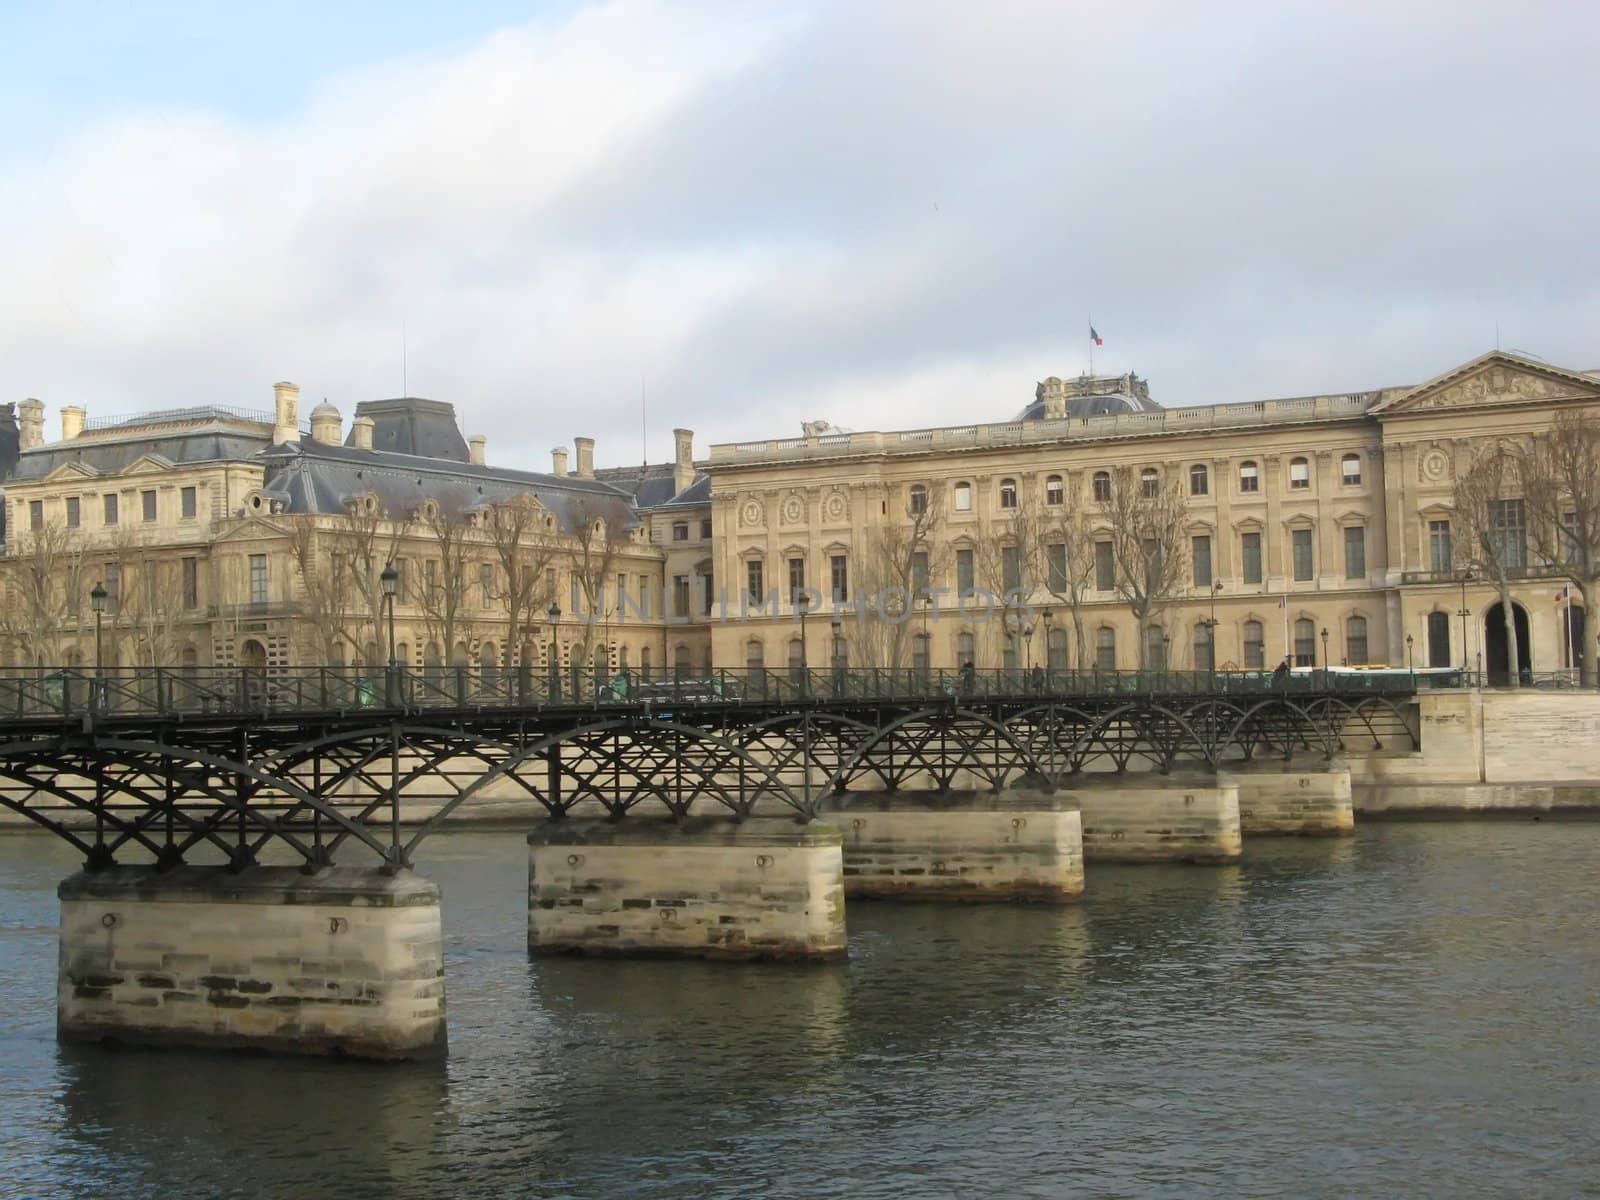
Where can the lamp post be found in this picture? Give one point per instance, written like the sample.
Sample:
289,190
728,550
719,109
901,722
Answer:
554,613
1467,577
835,653
1166,653
97,601
1324,653
1045,616
1211,635
1409,666
1027,647
803,603
389,577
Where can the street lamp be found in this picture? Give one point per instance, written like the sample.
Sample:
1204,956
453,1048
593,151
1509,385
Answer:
389,577
97,601
836,653
1467,577
1324,652
554,613
1027,647
1409,665
1166,652
1046,615
803,603
1211,634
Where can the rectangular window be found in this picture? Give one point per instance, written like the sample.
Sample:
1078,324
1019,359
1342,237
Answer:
753,581
147,505
680,595
1105,649
1569,537
1439,549
485,584
963,497
1200,552
110,500
1255,647
964,578
797,579
707,582
258,579
187,506
74,513
36,514
1250,564
1105,571
113,586
644,595
1010,568
919,573
680,531
191,583
1055,556
1300,541
1249,478
1355,552
839,568
1299,474
1509,533
705,529
430,576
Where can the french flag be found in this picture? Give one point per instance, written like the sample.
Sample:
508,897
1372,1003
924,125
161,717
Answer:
1095,337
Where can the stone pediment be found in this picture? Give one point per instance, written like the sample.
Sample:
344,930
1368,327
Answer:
251,529
148,464
1494,380
71,470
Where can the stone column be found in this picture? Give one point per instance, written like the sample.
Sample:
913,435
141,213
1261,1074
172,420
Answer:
1158,818
706,887
959,845
1306,797
346,961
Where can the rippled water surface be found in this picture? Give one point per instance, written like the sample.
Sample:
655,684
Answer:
1415,1011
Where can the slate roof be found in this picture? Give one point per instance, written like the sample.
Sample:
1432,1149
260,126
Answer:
8,441
312,477
412,425
651,486
209,442
1083,406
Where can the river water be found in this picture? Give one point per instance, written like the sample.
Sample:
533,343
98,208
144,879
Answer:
1414,1011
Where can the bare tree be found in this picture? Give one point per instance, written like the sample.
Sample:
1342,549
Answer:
1560,476
441,588
901,556
325,595
1147,515
524,551
1006,562
364,539
1487,541
44,590
1066,540
150,609
600,529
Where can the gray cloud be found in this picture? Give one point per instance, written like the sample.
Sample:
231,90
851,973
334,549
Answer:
882,214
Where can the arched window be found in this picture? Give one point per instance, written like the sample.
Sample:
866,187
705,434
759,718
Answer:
1355,641
919,499
189,657
1255,646
841,652
1199,481
1105,648
1149,482
680,659
966,650
963,497
1155,648
755,656
1299,474
1249,477
402,654
1350,469
622,658
1305,642
1102,485
1056,650
1008,493
1054,490
920,660
644,659
797,655
488,660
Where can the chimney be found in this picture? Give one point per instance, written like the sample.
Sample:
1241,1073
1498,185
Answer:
1054,394
585,449
477,442
326,425
558,461
286,413
30,424
71,422
682,460
361,433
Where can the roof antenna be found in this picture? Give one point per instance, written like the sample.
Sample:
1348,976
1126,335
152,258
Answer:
644,429
405,366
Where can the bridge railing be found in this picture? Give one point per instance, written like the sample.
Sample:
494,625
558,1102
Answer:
249,691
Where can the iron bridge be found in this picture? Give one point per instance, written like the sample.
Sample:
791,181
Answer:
219,764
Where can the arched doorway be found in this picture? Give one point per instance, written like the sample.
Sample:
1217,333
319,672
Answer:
1496,659
253,655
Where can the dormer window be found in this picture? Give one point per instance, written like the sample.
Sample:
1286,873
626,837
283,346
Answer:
1054,490
1249,477
1299,474
1008,493
1350,470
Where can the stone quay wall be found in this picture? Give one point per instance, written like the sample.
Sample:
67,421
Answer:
1300,797
1158,818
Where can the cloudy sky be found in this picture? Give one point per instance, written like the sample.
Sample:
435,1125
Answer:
882,214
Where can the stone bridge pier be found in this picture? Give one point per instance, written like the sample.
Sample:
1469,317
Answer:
346,961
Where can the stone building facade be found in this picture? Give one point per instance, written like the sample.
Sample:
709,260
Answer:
1319,529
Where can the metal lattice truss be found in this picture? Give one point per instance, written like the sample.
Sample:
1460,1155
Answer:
175,793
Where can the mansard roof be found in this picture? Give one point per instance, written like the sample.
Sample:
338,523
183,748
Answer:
310,477
651,486
213,440
412,425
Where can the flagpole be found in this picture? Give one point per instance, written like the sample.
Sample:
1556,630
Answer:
1572,650
1091,346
